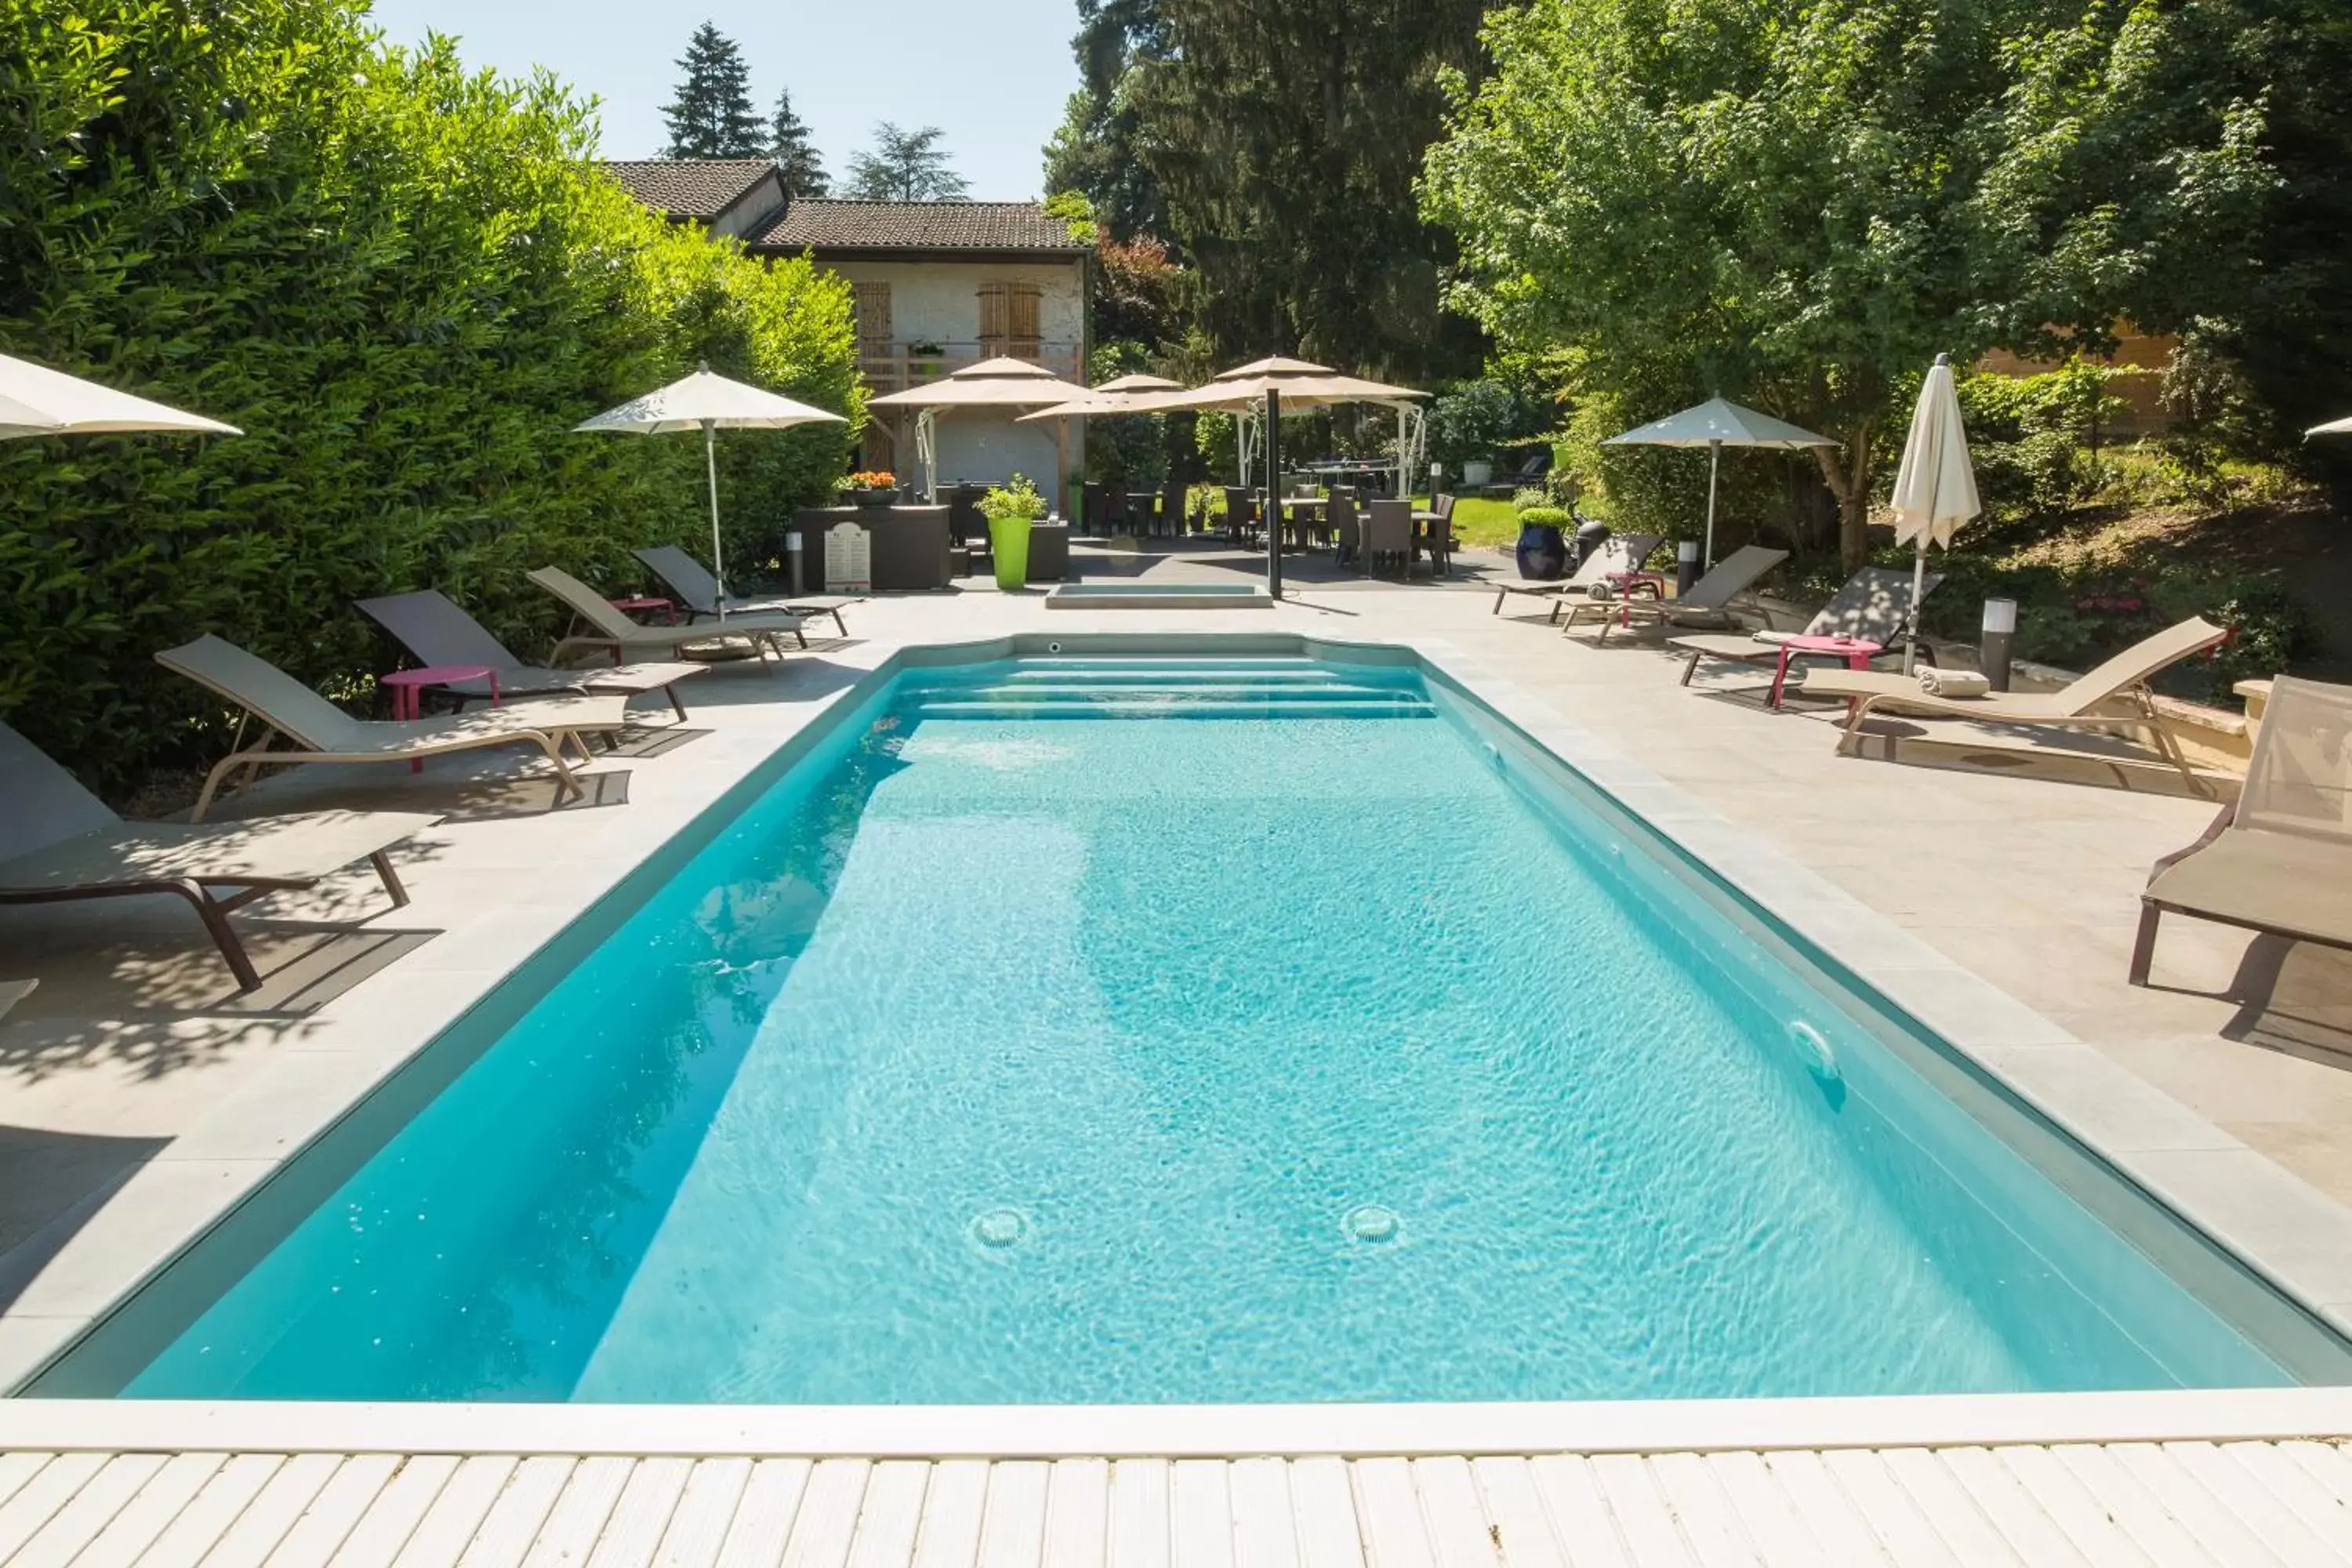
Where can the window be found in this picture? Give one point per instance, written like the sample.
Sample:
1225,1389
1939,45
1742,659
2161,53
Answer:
1008,315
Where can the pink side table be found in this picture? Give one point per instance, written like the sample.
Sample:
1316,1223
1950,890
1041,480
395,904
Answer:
649,604
1856,652
407,687
1625,582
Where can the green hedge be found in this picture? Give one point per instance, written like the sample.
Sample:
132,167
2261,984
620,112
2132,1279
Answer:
406,283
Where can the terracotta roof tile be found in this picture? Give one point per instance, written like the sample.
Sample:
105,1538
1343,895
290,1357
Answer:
825,224
689,187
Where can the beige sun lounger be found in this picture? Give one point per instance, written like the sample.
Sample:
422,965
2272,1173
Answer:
14,991
58,841
321,732
1708,603
2125,676
1874,605
610,631
1618,552
691,580
2280,860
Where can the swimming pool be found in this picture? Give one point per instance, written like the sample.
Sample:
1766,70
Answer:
1164,1030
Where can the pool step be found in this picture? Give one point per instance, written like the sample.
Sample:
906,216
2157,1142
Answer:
1392,707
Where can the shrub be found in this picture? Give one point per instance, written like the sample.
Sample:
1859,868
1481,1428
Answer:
1017,498
2027,438
1529,497
406,283
1479,417
1543,517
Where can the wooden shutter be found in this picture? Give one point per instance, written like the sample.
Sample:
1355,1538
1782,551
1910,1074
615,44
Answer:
1022,303
873,317
992,331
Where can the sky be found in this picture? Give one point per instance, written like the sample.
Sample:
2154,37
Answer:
994,74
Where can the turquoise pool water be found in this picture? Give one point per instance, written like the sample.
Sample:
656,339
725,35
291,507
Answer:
1151,1031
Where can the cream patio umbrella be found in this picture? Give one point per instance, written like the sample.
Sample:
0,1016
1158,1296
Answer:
1715,424
1003,384
711,404
1110,397
1276,383
38,401
2333,428
1935,487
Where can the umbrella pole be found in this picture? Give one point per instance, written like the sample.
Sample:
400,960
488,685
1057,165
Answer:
1272,493
1918,582
710,467
1713,463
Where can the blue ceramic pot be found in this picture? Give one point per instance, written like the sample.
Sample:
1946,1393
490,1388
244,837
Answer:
1543,553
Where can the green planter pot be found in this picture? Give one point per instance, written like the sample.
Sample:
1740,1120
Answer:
1008,539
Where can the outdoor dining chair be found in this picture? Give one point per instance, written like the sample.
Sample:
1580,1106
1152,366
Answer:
1388,534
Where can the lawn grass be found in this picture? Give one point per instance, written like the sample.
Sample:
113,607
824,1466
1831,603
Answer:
1484,523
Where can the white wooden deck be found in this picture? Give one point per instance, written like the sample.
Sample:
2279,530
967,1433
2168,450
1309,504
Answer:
2238,1503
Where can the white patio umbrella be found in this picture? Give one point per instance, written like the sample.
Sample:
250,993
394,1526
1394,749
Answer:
1935,487
1278,383
2333,428
711,404
1111,397
38,401
1715,424
1003,383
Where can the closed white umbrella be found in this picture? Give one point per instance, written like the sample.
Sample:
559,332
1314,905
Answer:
38,401
711,404
1715,424
2333,428
1935,487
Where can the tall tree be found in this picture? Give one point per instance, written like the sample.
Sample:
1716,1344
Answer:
711,116
795,154
1098,147
906,166
1283,143
1804,201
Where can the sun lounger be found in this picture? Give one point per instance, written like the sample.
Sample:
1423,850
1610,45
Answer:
613,633
14,991
2124,677
1619,553
1708,602
430,626
1874,605
698,590
58,841
318,731
2280,860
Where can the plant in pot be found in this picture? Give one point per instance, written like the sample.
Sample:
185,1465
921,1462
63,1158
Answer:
926,359
1010,509
876,487
1543,545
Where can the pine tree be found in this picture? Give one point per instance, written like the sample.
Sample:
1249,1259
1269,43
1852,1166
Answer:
711,117
795,155
906,166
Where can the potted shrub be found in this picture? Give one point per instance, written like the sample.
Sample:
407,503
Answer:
1543,547
1011,508
876,487
925,360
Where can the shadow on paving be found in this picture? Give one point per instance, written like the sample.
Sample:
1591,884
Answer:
50,1185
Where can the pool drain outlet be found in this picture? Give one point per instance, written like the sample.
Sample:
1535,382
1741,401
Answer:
1000,1227
1371,1223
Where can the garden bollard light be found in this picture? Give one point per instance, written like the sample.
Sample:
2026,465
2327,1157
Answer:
793,542
1685,566
2000,629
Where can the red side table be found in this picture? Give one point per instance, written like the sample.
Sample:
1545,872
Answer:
1856,652
407,687
650,605
1625,582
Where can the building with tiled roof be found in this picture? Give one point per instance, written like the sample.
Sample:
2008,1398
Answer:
827,226
939,286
